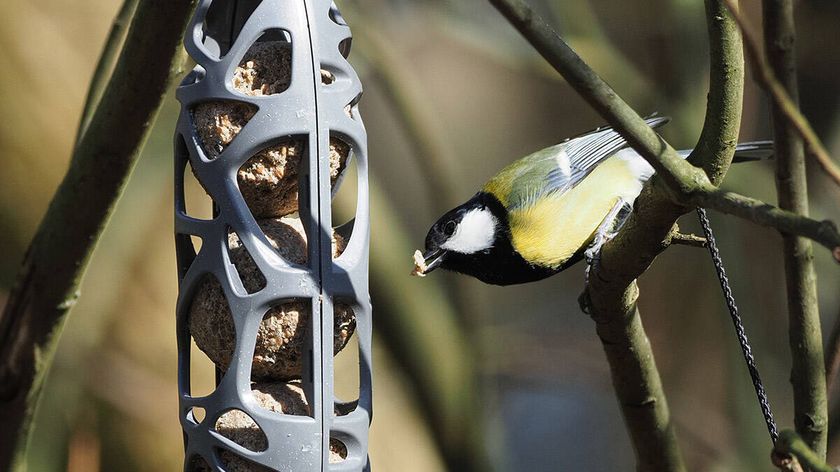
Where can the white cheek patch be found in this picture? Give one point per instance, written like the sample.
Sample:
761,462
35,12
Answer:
476,232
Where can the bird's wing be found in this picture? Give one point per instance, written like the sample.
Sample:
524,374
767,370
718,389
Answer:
558,169
585,152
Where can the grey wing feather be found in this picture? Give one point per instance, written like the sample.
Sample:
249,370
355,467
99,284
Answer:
745,152
585,152
754,151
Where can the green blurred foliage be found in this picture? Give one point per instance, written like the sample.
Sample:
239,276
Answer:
545,395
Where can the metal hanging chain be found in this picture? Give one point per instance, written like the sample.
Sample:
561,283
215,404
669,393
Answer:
763,402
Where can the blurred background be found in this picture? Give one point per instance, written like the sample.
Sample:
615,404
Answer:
465,374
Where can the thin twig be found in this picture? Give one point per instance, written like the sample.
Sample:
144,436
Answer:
47,284
808,368
688,239
788,108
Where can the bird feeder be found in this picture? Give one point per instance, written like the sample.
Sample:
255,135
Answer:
268,125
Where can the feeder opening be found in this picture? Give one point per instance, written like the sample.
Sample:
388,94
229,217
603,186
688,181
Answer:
338,451
218,123
240,428
197,414
250,275
202,372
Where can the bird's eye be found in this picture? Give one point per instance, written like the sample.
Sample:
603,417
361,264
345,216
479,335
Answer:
449,228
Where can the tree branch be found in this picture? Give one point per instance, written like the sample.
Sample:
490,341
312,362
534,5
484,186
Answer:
824,232
790,444
687,239
635,379
808,368
47,284
783,96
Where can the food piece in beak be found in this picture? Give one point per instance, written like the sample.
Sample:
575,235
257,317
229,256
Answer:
425,263
419,265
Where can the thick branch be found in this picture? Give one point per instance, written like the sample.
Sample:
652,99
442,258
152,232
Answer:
635,378
786,101
808,367
47,285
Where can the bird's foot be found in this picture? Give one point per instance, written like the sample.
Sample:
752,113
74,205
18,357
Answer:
592,254
605,233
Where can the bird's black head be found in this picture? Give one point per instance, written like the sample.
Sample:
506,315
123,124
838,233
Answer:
474,239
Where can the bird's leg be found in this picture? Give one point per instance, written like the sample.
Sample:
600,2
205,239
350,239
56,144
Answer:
606,231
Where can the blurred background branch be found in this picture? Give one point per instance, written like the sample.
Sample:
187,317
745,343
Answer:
422,331
433,325
47,284
397,83
807,373
106,63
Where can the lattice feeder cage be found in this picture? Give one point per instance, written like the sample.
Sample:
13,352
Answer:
269,126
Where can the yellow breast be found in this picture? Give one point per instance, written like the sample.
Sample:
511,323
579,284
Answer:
556,227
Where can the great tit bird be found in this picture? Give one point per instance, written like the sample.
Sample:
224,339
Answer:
546,211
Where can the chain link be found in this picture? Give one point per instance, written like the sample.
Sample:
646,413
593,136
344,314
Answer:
763,402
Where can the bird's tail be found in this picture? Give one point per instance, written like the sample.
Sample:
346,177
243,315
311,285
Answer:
747,152
754,151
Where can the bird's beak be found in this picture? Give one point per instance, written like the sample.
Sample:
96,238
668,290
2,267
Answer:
433,259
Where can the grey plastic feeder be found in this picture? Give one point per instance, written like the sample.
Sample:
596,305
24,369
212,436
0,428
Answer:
313,111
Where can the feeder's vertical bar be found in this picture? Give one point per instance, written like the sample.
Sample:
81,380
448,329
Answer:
321,255
345,278
321,252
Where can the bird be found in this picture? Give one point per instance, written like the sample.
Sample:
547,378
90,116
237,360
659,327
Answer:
548,210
